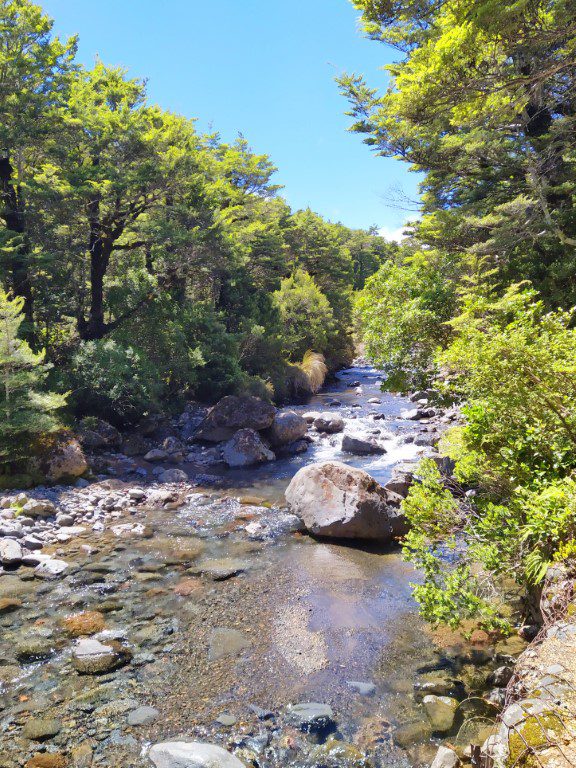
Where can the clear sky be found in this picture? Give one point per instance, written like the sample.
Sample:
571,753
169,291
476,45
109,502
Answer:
263,68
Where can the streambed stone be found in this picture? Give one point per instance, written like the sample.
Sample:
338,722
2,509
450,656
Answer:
10,552
91,657
245,449
311,717
143,716
226,642
441,711
195,754
39,728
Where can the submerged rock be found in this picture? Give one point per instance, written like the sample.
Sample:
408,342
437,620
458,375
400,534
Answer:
195,754
233,413
246,449
445,758
441,711
335,500
226,642
311,717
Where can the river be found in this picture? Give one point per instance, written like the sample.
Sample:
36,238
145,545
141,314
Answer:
232,617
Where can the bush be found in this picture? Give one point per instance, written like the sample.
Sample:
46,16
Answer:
402,313
190,349
512,364
114,382
306,316
25,411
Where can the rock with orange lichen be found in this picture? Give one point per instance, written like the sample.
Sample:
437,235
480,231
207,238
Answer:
83,624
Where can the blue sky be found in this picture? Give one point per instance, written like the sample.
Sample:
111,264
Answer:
264,68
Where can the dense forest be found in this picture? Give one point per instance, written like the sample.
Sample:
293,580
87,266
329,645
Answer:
143,263
479,302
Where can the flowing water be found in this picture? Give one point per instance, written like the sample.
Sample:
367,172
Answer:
231,612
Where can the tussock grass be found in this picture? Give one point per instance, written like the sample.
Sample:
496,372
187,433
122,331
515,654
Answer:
314,367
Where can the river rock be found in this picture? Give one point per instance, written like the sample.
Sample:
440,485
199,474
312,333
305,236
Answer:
287,427
335,500
91,657
10,552
97,433
445,758
329,424
38,508
173,476
364,689
233,413
62,459
156,454
400,483
50,568
441,711
499,678
143,716
39,728
194,754
311,416
246,449
311,717
359,447
226,642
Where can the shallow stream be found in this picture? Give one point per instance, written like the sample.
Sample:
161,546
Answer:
233,616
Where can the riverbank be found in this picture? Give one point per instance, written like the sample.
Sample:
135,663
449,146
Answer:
198,610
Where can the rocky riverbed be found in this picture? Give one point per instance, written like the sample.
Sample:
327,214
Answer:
144,607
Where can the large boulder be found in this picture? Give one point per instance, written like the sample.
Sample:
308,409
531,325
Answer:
246,449
194,754
60,457
335,500
286,428
233,413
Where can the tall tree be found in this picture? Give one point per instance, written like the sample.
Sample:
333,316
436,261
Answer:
33,77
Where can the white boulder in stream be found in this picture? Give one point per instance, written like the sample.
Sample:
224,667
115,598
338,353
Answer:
195,754
337,501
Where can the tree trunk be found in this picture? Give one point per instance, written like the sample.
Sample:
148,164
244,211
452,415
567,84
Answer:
100,250
13,214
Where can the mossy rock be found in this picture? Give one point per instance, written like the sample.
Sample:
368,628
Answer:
532,735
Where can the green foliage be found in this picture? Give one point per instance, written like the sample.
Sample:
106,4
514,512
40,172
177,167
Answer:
25,412
149,256
116,382
512,364
402,313
306,316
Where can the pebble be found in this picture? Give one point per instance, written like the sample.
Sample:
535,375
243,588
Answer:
143,716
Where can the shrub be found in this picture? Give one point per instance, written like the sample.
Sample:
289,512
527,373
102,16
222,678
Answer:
114,382
25,412
306,316
402,312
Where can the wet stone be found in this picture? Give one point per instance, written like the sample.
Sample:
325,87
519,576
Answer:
91,657
38,729
312,717
226,642
143,716
364,689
